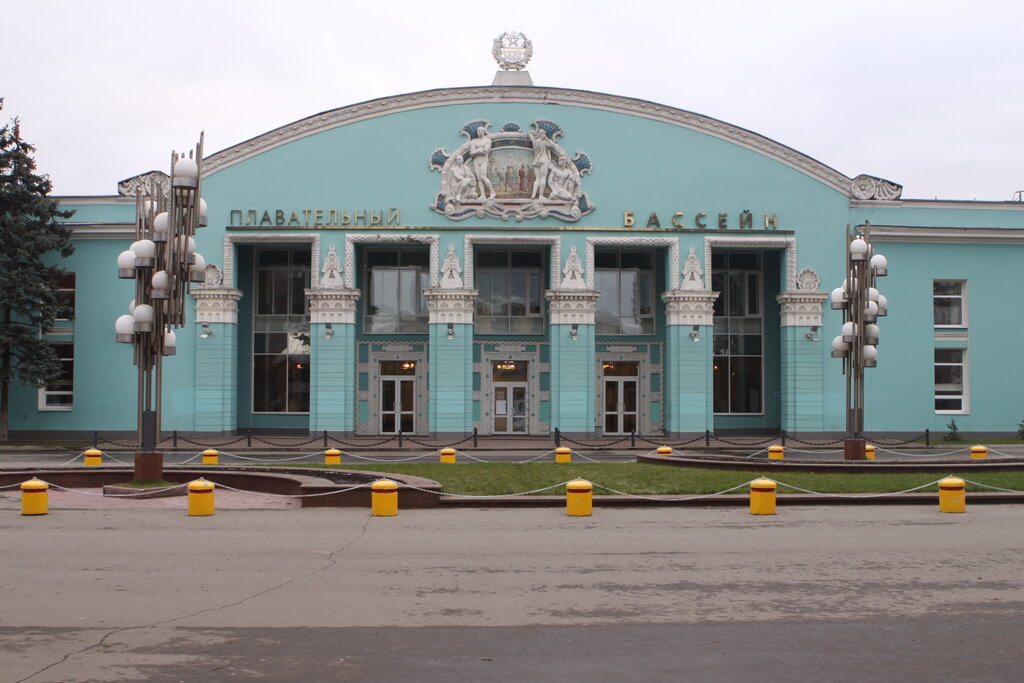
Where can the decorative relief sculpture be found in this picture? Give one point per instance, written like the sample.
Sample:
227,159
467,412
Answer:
870,187
511,174
512,50
692,273
331,277
808,280
152,184
573,272
451,272
212,277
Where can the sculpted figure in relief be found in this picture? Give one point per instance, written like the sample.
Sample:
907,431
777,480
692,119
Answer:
564,180
330,277
541,162
479,153
460,179
692,273
451,271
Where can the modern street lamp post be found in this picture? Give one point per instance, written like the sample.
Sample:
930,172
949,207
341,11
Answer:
163,262
857,345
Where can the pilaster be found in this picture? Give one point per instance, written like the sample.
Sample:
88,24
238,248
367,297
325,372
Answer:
571,331
450,409
689,371
332,391
216,367
802,360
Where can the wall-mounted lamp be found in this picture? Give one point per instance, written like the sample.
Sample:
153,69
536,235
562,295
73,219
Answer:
451,330
813,334
207,332
695,333
329,331
574,332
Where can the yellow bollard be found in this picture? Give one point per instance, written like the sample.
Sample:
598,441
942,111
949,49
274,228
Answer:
332,456
579,498
952,497
776,452
35,497
384,498
664,450
979,452
93,457
210,456
448,456
563,454
869,452
762,496
200,498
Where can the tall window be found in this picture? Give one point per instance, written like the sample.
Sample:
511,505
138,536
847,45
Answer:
395,280
281,331
59,394
626,282
948,303
950,394
66,295
739,333
511,284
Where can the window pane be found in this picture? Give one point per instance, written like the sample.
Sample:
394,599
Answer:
948,311
492,259
949,404
949,355
948,287
606,259
745,385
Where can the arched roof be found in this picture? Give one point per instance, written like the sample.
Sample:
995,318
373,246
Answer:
528,94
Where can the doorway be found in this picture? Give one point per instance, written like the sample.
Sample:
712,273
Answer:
397,397
621,396
510,407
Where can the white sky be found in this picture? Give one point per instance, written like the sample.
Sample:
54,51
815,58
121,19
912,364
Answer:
926,94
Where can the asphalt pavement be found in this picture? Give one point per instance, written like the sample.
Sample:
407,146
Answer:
830,594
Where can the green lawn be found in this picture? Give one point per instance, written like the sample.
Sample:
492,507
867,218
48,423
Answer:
646,479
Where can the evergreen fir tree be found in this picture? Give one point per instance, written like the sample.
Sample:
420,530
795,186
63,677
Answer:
29,301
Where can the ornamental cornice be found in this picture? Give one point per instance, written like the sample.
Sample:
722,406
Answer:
216,304
572,307
332,305
533,95
451,305
689,308
801,308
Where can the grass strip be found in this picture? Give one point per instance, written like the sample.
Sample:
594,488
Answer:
498,478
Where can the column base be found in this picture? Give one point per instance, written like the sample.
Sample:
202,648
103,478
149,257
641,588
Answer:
853,449
149,466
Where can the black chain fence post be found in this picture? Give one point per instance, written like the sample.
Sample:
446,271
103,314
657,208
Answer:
325,438
248,438
558,438
174,439
95,438
399,438
475,436
632,439
782,436
928,437
707,438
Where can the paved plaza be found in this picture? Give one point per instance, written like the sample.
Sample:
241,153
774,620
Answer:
820,593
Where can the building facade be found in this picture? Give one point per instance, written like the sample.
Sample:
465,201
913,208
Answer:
517,259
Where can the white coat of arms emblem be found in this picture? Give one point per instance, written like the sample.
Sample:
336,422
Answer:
511,174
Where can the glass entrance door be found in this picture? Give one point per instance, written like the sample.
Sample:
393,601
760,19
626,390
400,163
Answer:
510,409
398,397
621,398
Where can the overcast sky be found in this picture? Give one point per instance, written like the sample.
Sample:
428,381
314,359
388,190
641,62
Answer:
926,94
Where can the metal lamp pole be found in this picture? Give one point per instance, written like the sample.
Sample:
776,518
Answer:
862,305
163,262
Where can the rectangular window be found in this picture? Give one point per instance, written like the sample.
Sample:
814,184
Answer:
626,282
66,296
511,284
949,301
281,331
395,280
59,394
950,385
738,344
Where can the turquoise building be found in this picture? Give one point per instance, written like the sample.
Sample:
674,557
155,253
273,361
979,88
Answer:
518,259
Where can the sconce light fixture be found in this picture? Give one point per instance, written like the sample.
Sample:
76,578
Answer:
574,332
329,331
207,332
695,333
813,334
451,330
